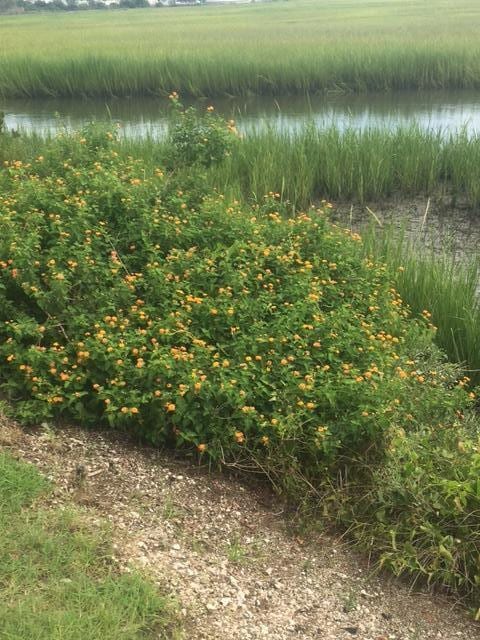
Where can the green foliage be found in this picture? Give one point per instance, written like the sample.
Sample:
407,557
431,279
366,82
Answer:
418,511
231,331
58,580
194,322
201,140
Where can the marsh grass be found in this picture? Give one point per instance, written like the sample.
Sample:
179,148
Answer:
273,48
445,284
370,165
308,164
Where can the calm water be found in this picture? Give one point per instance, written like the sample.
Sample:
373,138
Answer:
443,111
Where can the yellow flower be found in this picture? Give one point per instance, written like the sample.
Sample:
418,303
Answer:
239,437
170,407
201,448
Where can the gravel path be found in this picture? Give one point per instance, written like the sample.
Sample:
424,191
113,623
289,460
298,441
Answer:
225,551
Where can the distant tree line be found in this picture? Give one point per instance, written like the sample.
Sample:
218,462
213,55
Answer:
22,6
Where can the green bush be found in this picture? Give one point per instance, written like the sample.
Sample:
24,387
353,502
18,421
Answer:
419,510
203,140
233,331
195,323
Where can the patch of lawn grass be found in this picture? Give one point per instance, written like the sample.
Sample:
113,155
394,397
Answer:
57,576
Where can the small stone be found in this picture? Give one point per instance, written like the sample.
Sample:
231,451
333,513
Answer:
351,630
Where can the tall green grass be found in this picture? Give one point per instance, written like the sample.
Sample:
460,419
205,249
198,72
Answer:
362,166
445,284
281,47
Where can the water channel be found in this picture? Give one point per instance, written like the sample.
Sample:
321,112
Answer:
139,117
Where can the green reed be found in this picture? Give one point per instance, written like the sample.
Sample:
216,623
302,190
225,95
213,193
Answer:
273,48
352,165
445,284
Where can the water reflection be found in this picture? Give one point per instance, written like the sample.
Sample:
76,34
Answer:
139,117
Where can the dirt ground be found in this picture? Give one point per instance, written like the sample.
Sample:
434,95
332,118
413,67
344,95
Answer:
225,549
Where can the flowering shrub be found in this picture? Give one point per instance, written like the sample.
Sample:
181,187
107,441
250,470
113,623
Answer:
206,326
198,139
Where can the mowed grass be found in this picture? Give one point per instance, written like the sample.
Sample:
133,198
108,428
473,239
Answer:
280,47
57,578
